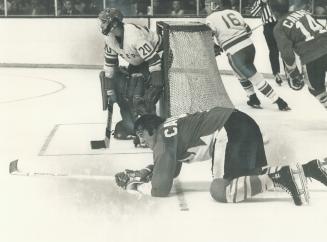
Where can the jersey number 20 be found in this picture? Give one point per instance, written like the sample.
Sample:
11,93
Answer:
145,49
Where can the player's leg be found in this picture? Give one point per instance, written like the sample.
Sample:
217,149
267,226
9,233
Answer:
244,158
146,87
244,152
242,63
290,179
244,81
316,73
273,51
125,128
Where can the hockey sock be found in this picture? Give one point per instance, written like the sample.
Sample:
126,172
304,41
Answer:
247,86
240,189
264,87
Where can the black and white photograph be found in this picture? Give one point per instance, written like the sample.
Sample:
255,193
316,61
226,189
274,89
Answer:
163,120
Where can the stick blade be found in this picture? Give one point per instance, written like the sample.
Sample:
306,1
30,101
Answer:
98,144
13,166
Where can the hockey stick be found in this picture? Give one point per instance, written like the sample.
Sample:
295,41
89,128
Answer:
13,170
103,144
256,27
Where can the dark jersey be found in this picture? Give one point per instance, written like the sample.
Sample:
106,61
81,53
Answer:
301,33
181,139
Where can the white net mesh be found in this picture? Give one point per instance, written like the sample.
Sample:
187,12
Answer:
194,81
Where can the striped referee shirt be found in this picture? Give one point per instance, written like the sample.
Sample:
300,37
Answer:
264,9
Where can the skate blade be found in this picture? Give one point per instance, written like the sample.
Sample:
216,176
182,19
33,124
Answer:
255,106
301,182
285,109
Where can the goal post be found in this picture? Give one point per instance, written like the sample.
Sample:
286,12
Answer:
191,78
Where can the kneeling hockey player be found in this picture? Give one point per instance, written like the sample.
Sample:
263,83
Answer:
233,36
139,91
192,137
299,32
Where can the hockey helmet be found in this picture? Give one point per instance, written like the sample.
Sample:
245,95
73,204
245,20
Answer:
216,5
108,18
211,5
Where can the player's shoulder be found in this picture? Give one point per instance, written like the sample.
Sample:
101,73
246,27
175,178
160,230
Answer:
135,32
136,29
170,127
213,15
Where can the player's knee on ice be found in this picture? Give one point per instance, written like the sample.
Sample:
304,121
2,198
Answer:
218,189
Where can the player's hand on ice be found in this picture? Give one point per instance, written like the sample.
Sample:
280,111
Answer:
295,80
130,179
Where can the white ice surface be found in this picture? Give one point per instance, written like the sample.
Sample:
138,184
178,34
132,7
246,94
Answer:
48,117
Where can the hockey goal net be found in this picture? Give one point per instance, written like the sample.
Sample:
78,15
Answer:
191,77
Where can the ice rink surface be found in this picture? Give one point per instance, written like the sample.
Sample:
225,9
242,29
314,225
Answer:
48,117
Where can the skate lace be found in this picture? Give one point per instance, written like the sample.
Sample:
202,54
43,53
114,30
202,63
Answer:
277,184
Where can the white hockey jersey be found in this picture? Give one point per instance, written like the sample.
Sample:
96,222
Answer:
230,30
139,45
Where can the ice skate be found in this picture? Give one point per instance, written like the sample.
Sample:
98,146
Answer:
282,105
292,180
254,101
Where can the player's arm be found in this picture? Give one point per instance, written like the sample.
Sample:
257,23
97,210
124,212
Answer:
161,173
150,55
107,76
164,168
110,61
216,47
256,7
285,47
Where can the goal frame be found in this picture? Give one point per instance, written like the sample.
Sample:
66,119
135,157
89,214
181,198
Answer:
163,28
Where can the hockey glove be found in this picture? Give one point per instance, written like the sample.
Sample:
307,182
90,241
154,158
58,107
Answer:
112,98
129,179
139,105
217,49
295,80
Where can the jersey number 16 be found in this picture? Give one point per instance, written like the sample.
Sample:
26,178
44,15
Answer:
231,20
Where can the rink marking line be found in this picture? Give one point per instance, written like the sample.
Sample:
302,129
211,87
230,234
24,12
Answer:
62,87
181,196
88,154
54,130
48,140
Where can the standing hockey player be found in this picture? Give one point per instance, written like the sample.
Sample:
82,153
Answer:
299,32
141,48
233,35
173,143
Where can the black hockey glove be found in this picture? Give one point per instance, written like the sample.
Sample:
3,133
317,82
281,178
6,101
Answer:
152,95
295,79
153,91
129,179
217,49
139,105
